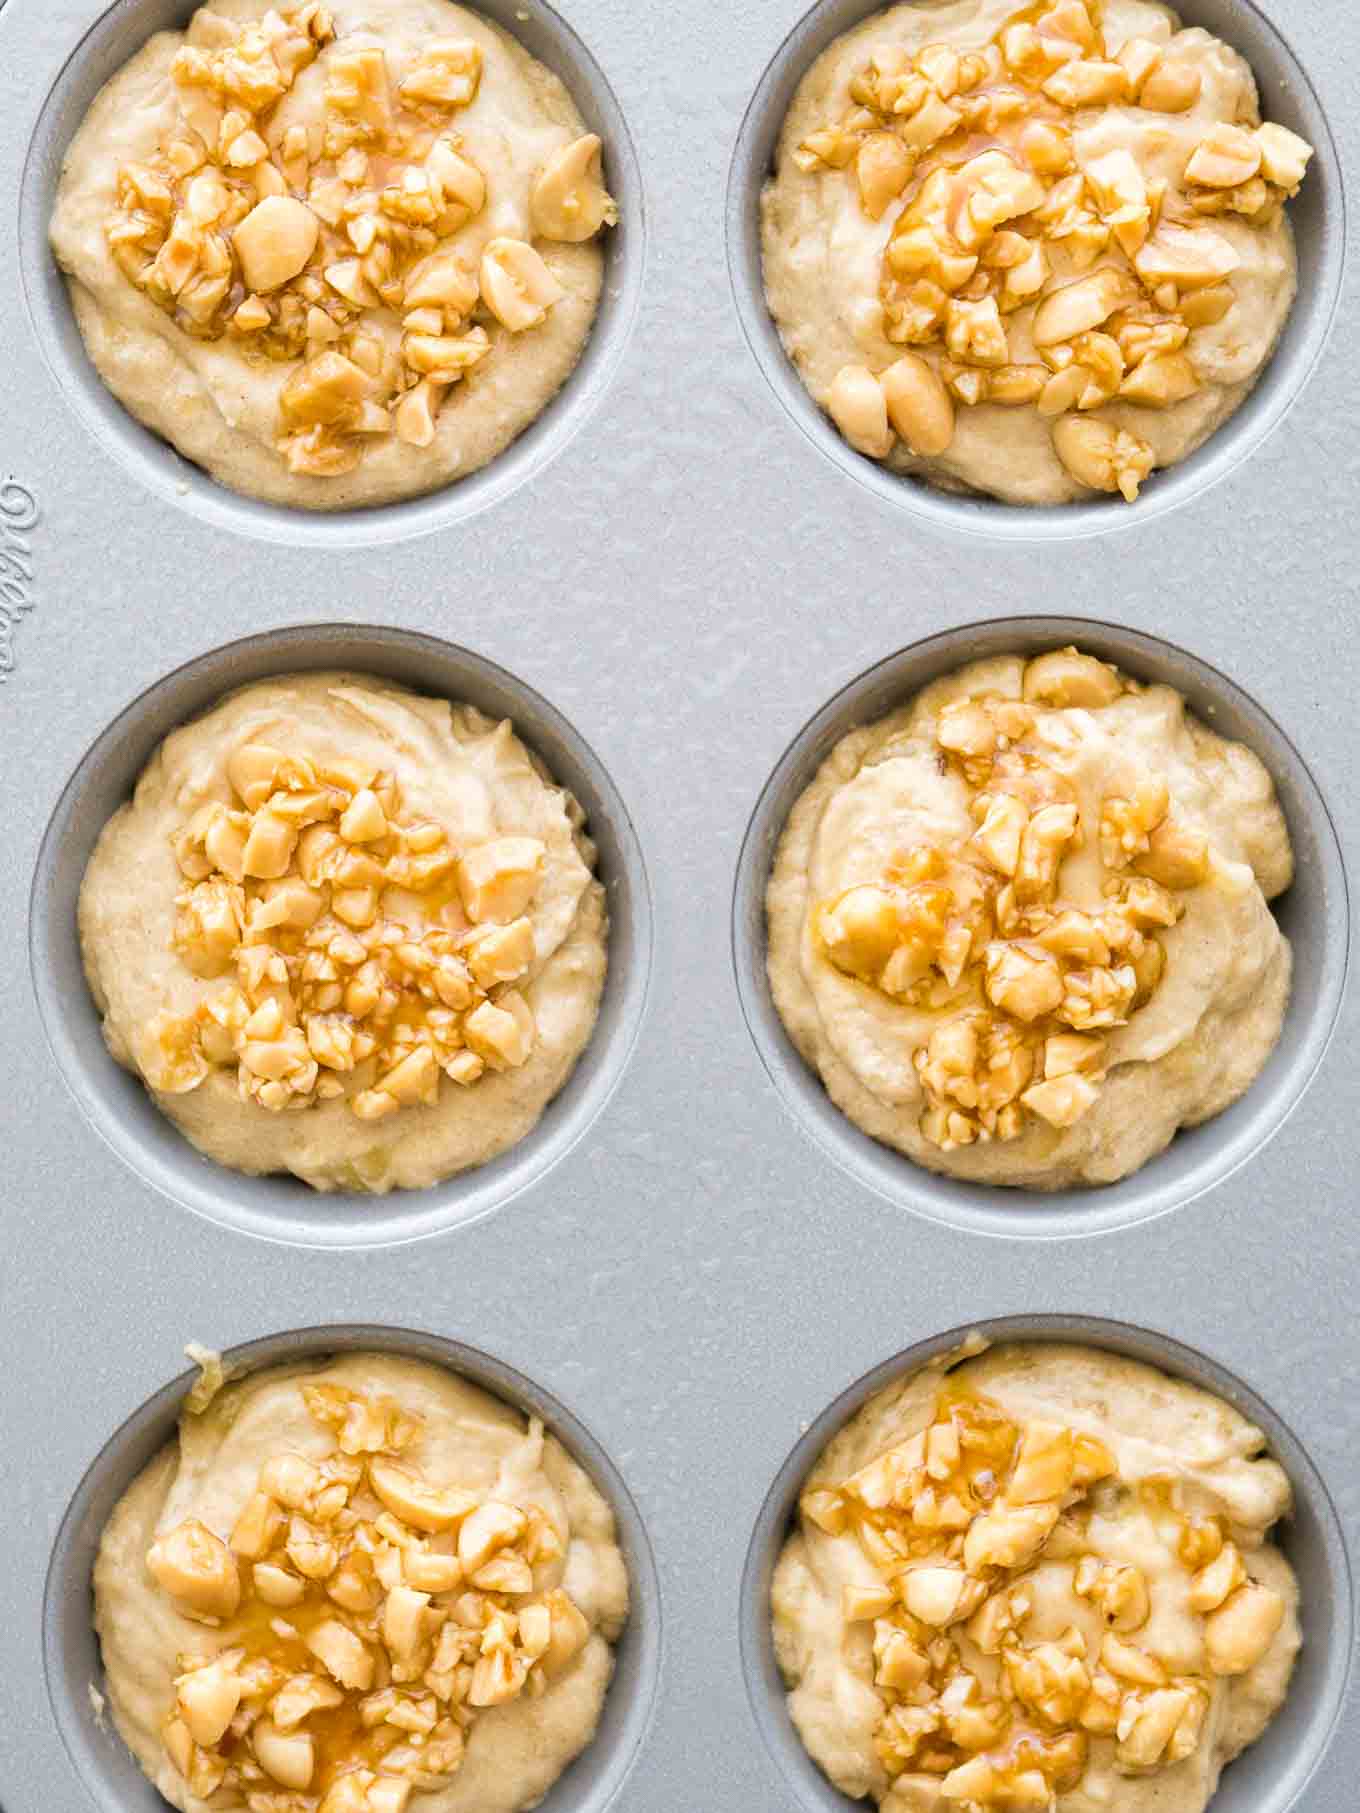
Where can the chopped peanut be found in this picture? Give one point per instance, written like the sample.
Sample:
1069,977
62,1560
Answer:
1239,1633
499,879
1067,678
1025,984
918,405
569,200
859,408
1171,88
1081,306
1224,157
1176,856
1101,456
207,1699
275,241
1284,156
517,285
446,74
197,1570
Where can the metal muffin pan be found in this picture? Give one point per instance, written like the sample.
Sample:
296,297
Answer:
693,1267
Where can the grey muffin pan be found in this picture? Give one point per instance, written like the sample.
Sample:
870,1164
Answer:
683,587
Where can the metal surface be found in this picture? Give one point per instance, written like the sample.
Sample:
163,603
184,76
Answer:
670,578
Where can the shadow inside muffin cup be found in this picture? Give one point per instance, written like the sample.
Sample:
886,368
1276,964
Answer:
117,1103
1318,213
115,37
1314,915
1271,1775
71,1650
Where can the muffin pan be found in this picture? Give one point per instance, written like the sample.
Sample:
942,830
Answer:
694,1268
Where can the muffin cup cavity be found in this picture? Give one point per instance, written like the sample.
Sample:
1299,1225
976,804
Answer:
1314,915
117,1103
110,1773
1271,1775
105,48
1318,214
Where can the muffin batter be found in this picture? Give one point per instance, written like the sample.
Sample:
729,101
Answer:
1030,252
1020,927
348,932
359,1587
336,254
1041,1581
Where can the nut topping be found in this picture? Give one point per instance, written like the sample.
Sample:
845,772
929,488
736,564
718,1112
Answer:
433,1603
274,241
1000,225
1101,456
1088,303
196,1569
516,285
1066,678
326,994
1217,1580
859,409
949,1522
1239,1633
1224,158
300,245
569,200
1025,987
